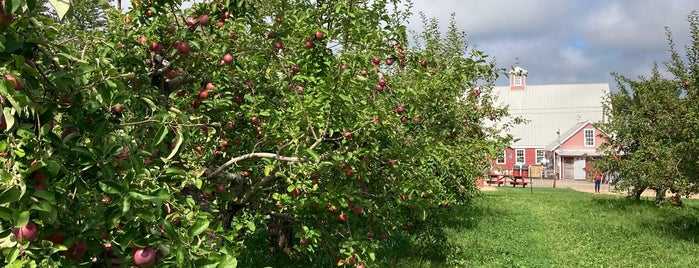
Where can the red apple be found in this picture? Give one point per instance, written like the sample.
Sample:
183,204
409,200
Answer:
191,21
349,172
204,20
319,35
278,44
357,210
144,257
224,16
198,149
400,109
382,81
149,13
246,173
210,86
309,44
342,217
118,109
77,250
379,88
347,134
423,63
271,34
376,61
171,74
228,58
204,94
4,18
404,198
254,121
295,69
389,62
403,119
142,40
26,233
362,72
224,143
220,188
183,48
18,86
278,20
55,237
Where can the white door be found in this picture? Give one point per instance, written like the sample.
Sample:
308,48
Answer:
579,168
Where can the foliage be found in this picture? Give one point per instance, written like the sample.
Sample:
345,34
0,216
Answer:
195,131
653,126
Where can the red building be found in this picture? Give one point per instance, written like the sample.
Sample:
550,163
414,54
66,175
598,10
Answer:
560,133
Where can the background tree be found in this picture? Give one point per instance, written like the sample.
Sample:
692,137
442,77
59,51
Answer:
653,126
180,137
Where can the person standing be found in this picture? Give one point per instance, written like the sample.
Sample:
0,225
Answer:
598,181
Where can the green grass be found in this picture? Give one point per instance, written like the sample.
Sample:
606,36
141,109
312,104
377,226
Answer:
564,228
514,227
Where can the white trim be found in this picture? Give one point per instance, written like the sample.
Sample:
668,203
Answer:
517,80
504,159
536,154
585,137
524,156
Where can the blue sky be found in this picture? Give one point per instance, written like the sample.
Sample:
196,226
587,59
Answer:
568,41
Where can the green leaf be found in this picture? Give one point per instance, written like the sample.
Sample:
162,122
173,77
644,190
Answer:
5,214
42,206
61,6
22,218
48,196
9,118
150,103
10,195
178,143
228,261
198,227
161,134
126,205
169,230
111,187
175,171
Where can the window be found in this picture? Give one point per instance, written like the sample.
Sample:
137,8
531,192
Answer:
589,137
519,156
539,156
501,158
518,80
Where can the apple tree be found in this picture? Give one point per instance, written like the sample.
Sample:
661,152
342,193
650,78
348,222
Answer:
653,126
173,136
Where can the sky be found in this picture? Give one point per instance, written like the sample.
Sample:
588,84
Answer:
567,41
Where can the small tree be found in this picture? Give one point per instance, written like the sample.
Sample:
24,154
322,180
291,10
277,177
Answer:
653,127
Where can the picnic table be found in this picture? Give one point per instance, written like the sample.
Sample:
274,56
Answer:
518,180
496,179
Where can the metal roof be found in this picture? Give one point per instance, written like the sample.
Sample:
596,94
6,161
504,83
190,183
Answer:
551,109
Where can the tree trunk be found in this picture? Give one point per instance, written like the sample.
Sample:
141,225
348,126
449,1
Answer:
281,233
636,192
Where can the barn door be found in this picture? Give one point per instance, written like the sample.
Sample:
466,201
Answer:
579,168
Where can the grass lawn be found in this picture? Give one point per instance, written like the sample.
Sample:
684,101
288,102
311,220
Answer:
513,227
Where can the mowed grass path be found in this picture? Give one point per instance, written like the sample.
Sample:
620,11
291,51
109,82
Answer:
564,228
